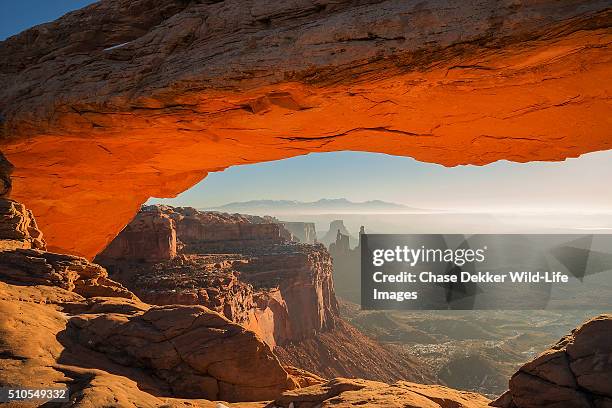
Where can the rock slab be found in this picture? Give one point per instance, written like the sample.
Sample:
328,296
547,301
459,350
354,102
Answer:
575,372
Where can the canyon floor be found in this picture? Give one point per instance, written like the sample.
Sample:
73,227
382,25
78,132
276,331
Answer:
474,350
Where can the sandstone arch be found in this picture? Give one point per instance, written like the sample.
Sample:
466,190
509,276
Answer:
126,99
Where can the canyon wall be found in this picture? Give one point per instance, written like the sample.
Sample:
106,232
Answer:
63,320
250,271
128,99
150,237
303,231
347,266
238,265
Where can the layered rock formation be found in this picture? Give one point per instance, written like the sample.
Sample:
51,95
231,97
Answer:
129,99
301,231
74,274
575,372
347,265
150,237
64,321
24,261
246,268
18,228
238,265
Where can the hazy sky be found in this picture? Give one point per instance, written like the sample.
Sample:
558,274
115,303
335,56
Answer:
576,184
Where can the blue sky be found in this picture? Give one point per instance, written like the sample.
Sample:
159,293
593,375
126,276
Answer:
577,184
19,15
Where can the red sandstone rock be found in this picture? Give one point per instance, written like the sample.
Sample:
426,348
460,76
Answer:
282,291
223,257
149,237
34,267
18,227
303,276
344,392
198,352
23,260
40,347
129,99
187,351
191,280
575,372
205,231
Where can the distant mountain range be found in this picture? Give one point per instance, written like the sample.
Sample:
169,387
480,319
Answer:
322,206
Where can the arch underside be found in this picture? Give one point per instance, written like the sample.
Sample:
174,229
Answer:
91,143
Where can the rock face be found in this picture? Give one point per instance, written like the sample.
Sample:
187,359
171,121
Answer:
575,372
63,320
202,231
150,237
349,393
302,274
302,231
18,228
199,353
238,265
347,264
129,99
247,269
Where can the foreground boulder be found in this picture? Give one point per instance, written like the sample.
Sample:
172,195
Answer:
198,352
40,348
576,372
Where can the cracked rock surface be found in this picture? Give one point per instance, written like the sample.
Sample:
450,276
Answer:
342,392
128,99
575,372
198,352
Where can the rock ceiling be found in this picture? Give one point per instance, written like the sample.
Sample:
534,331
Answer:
124,100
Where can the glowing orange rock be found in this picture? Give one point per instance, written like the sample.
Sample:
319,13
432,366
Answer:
111,105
